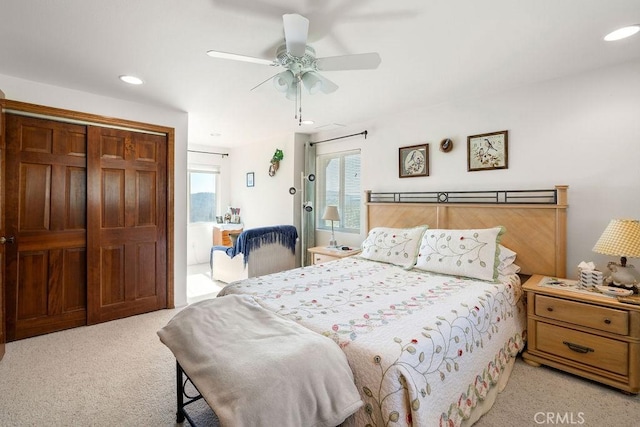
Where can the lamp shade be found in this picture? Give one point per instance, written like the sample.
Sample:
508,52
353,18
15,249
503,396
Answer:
292,92
331,213
283,81
620,238
314,82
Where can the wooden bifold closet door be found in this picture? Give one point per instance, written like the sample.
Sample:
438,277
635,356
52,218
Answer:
87,207
127,233
46,212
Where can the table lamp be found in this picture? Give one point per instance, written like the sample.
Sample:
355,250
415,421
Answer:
621,238
331,214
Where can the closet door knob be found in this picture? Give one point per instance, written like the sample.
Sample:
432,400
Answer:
4,240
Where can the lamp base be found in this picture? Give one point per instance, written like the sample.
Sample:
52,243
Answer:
333,244
624,277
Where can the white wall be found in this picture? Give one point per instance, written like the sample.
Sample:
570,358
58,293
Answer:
58,97
583,131
268,202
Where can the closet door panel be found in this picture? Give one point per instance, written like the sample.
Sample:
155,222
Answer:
75,199
33,289
146,191
3,338
146,258
112,275
46,212
112,198
127,240
74,279
35,197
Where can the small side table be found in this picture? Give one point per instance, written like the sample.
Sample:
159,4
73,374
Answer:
221,233
322,254
586,334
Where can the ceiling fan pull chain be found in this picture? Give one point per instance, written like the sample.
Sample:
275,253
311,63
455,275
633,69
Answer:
300,106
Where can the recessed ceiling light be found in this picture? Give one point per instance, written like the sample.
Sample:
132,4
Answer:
308,122
132,80
622,33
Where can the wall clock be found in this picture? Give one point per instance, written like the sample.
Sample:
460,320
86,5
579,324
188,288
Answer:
446,145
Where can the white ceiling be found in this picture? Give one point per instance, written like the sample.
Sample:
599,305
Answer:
432,51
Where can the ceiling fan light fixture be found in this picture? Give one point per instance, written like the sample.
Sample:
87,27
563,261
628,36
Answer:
312,82
292,92
622,33
315,82
283,81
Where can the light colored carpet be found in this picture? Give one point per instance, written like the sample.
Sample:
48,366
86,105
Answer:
119,374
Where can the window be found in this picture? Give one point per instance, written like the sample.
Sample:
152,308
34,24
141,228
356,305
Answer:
339,184
202,196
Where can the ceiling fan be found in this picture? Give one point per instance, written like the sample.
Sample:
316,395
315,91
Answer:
301,65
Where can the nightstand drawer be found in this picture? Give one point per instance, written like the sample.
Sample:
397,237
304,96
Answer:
593,350
588,315
319,258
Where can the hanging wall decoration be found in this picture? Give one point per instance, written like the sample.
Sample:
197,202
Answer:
275,161
413,161
446,145
487,151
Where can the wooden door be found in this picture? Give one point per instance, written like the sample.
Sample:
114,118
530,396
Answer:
126,222
45,200
2,235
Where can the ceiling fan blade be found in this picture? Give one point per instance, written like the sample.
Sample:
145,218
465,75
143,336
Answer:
263,82
359,61
243,58
296,29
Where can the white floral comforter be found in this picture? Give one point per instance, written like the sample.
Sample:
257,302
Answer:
424,348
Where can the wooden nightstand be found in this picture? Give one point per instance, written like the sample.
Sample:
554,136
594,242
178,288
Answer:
321,254
221,233
586,334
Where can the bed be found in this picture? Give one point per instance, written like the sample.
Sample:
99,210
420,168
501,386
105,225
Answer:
425,344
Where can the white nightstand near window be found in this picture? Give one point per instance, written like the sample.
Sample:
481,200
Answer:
322,254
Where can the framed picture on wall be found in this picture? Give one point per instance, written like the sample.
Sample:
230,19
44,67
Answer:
488,151
250,179
413,161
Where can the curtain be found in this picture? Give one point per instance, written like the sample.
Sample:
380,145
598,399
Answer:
308,219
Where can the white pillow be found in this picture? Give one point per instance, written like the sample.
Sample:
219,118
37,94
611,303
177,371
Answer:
468,253
506,257
508,270
397,246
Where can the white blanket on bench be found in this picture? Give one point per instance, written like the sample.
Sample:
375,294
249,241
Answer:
254,367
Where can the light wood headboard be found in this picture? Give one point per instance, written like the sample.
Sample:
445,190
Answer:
535,221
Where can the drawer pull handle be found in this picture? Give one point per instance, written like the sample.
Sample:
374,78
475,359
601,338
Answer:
577,348
549,308
607,321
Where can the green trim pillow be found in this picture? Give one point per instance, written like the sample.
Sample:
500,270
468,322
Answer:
468,253
506,257
397,246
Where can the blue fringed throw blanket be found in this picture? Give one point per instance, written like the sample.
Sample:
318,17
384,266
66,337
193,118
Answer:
253,238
